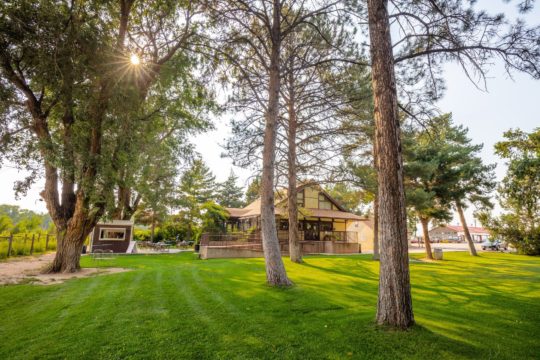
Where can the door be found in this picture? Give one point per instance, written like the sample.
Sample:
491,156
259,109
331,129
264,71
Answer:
311,231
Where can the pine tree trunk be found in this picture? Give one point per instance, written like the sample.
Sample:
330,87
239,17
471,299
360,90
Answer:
376,252
394,307
425,232
275,269
295,252
472,249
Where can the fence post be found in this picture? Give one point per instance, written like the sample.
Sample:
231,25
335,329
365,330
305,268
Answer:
10,242
32,246
47,242
25,236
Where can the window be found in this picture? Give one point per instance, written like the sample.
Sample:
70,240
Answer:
112,234
326,226
324,203
283,224
300,198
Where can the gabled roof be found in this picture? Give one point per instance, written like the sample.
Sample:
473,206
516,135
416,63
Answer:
254,209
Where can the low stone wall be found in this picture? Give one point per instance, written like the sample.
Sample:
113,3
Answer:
220,252
339,247
308,247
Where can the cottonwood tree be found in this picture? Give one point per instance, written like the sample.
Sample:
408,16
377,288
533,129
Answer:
66,77
429,33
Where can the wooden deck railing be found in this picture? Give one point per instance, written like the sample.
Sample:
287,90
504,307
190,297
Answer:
236,239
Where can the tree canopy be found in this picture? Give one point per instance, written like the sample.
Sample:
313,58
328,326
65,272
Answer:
519,192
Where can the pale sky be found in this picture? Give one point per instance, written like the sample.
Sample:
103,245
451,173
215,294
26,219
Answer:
509,103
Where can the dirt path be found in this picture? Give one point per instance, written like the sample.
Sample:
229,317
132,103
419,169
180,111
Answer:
27,270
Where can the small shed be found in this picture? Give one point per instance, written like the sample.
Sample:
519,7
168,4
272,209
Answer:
115,236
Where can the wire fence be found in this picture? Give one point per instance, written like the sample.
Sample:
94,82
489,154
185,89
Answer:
12,245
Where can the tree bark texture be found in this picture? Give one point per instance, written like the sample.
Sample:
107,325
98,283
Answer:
295,252
376,251
425,233
71,238
472,249
276,274
394,307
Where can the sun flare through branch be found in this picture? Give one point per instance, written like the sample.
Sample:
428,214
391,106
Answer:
134,59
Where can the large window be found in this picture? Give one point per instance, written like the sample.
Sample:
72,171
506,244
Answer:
326,226
112,234
324,203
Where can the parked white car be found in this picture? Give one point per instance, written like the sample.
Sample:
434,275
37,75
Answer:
494,245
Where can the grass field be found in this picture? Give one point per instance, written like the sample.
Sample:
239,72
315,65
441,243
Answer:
174,306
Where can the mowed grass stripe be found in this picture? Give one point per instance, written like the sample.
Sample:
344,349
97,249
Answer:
178,307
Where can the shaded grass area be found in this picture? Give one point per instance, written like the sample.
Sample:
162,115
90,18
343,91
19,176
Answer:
175,306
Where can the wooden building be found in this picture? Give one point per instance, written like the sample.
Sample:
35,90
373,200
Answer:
115,237
324,225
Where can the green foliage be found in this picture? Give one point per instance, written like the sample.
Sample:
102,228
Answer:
5,223
253,190
197,185
13,218
230,194
443,169
196,190
141,234
22,244
213,218
519,192
72,105
349,197
167,299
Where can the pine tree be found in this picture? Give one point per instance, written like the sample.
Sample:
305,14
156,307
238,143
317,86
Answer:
230,194
442,172
197,187
254,190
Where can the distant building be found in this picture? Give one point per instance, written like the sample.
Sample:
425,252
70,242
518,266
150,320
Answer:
456,233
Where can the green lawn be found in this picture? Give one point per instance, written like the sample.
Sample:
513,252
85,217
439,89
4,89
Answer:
175,306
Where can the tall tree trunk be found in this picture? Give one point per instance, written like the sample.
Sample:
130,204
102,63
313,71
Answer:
376,252
472,249
153,228
295,252
394,307
425,232
71,239
275,269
